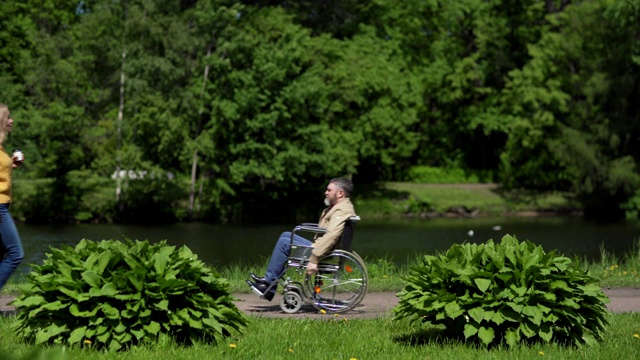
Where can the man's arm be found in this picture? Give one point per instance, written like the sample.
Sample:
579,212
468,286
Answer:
327,241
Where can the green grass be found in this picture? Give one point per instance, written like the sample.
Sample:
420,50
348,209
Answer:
385,275
614,271
339,338
402,198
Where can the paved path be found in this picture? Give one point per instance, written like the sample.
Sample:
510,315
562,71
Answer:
377,304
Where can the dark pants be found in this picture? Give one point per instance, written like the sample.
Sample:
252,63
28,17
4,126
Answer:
11,253
280,254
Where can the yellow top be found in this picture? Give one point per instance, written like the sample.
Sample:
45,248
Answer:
6,164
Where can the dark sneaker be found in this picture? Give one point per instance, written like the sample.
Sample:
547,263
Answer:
261,290
258,279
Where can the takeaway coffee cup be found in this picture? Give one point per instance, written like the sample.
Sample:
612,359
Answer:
18,155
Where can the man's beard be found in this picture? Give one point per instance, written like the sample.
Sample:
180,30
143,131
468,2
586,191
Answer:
330,201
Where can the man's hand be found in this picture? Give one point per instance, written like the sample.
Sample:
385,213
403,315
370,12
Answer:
312,268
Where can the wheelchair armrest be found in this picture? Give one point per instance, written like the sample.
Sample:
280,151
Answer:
354,218
309,227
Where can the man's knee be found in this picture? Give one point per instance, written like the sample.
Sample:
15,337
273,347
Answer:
285,238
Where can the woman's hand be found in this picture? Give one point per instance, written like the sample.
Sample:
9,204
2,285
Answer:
18,159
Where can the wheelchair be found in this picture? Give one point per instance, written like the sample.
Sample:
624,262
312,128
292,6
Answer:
340,283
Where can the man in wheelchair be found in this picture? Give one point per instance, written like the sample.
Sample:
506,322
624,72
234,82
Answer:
333,218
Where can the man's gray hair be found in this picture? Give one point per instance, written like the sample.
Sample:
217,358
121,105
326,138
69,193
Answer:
344,184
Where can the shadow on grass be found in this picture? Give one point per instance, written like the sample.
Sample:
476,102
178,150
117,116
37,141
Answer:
442,337
39,354
427,337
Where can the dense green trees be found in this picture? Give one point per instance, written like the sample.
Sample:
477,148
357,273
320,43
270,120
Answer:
146,110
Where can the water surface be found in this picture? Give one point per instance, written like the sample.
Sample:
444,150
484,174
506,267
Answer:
399,240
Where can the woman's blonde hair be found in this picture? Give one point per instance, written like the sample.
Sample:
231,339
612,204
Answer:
4,119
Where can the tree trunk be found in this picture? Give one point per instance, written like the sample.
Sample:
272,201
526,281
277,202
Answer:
194,162
120,116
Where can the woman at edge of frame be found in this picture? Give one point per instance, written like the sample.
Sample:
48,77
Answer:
11,252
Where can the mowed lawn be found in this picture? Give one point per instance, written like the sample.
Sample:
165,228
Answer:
402,198
339,338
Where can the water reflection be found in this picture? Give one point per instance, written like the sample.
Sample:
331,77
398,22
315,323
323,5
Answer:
223,245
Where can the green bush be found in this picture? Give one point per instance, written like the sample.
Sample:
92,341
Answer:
505,292
114,295
632,207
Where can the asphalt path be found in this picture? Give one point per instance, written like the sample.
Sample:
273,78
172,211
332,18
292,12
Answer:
374,305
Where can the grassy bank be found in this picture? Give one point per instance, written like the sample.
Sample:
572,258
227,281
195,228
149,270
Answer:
339,338
385,275
431,200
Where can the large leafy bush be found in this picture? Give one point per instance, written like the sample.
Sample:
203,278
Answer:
116,294
505,292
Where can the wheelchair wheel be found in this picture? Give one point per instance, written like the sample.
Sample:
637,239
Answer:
340,283
291,302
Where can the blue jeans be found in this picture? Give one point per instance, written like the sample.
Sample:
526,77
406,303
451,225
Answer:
11,253
280,254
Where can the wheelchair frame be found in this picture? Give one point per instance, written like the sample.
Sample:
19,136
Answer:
340,283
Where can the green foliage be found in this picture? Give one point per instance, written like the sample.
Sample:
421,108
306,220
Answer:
632,207
115,295
571,120
505,293
241,98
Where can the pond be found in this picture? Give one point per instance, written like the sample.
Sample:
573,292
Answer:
398,240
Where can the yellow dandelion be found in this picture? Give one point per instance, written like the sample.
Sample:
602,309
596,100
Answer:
88,342
540,353
233,346
384,276
353,359
637,336
323,311
290,350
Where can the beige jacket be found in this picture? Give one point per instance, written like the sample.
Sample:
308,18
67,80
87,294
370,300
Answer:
333,219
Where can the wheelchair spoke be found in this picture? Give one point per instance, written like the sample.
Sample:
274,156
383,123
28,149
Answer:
340,283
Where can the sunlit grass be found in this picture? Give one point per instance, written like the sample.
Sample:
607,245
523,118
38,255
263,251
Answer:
615,271
337,337
397,198
385,275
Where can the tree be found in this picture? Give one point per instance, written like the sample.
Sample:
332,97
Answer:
571,111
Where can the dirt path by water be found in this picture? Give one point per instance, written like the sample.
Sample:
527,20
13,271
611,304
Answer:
374,305
380,304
